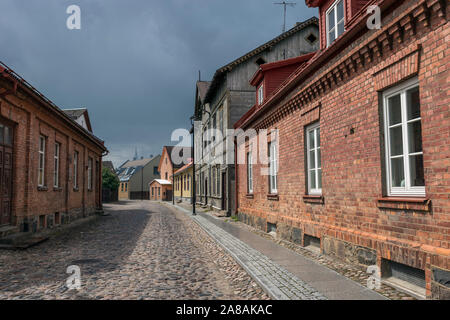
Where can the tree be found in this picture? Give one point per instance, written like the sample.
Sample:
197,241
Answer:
110,180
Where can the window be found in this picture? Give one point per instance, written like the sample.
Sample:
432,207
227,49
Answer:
166,176
404,155
188,181
261,94
121,187
155,170
159,191
273,167
41,173
89,173
153,191
75,170
335,21
126,187
56,166
314,160
249,173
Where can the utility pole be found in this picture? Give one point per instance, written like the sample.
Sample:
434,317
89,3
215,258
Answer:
285,4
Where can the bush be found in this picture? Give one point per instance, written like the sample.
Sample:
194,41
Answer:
110,180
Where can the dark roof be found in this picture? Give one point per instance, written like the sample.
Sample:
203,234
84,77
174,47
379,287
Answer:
181,151
221,72
109,165
75,113
202,89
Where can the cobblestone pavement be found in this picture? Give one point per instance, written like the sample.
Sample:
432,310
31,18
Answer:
143,250
282,284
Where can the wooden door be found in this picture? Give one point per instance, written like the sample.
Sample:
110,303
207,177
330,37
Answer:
6,172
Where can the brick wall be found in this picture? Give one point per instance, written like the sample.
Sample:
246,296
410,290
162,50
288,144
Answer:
350,214
32,119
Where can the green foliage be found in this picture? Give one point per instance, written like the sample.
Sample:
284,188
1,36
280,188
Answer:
110,180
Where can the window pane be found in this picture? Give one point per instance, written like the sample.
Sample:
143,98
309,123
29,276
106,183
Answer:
318,137
340,28
319,159
8,136
416,171
332,36
396,141
413,103
398,173
1,133
340,11
312,179
319,172
311,139
312,159
395,110
415,137
331,20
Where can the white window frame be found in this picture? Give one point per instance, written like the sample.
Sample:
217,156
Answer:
334,7
261,94
316,128
90,164
249,172
41,164
75,169
56,165
407,190
273,167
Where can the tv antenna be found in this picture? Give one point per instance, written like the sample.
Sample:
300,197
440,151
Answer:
285,4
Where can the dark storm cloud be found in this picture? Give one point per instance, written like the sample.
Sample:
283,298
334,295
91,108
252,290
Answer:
134,63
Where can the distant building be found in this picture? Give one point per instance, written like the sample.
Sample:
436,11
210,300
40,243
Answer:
224,100
80,116
50,163
172,159
109,165
135,176
183,184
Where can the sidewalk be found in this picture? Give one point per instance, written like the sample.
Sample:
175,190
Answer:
282,273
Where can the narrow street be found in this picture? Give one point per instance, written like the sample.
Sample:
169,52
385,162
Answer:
142,250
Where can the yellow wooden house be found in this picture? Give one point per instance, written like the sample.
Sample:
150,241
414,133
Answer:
183,184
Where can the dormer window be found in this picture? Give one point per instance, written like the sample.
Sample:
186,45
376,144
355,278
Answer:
261,94
335,21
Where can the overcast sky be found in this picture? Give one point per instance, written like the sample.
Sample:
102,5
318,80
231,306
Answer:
134,63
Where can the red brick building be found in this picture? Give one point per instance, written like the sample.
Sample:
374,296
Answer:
50,165
363,146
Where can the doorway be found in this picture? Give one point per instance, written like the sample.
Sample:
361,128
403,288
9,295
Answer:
224,190
6,172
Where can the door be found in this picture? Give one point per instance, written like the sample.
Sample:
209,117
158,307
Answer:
224,190
6,172
206,191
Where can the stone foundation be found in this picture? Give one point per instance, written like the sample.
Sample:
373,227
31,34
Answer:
31,223
440,284
349,252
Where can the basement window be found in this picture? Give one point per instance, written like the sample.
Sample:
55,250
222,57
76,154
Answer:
312,243
404,278
271,228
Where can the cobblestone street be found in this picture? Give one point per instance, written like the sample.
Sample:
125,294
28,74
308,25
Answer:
142,250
